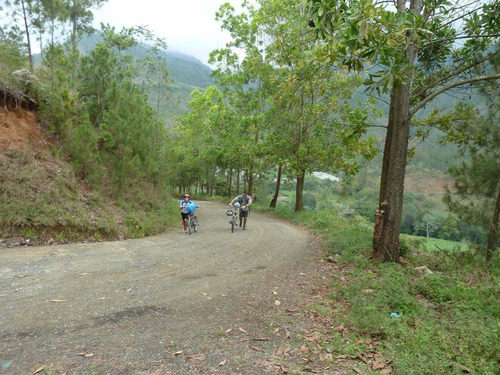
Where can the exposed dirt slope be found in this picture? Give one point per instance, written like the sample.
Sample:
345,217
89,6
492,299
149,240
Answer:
20,128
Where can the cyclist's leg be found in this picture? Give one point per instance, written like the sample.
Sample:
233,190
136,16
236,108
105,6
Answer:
243,219
184,221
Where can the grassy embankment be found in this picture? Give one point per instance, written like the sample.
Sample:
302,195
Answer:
447,321
42,200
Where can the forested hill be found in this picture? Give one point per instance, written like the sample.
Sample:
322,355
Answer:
183,69
186,73
188,70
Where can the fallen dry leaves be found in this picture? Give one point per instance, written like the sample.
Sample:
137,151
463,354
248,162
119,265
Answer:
88,355
40,369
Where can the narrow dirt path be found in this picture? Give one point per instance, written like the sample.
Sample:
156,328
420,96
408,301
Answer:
170,304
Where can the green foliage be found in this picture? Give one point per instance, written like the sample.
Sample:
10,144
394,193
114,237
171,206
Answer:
410,243
476,198
142,223
11,58
207,140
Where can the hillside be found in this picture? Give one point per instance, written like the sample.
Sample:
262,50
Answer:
43,201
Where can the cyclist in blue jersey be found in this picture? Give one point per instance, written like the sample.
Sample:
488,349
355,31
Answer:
184,212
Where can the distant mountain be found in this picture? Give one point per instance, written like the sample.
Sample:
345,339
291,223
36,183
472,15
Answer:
188,70
186,74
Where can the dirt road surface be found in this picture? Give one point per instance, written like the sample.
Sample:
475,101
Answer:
214,302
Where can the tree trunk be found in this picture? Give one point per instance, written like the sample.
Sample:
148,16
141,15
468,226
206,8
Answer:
493,236
386,246
250,181
277,190
212,182
73,36
230,182
387,147
74,24
388,216
27,30
238,181
299,190
40,33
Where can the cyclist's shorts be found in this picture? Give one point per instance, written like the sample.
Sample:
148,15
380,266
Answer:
244,213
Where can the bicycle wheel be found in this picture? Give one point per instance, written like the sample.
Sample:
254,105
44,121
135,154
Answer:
195,224
190,221
233,221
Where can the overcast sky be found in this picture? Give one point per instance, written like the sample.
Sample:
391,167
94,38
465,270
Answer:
188,26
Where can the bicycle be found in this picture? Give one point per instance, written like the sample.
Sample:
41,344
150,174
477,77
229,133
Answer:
234,214
192,223
192,219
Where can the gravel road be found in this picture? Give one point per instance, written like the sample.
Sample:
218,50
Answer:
211,302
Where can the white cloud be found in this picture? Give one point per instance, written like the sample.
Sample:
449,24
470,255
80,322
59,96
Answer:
188,26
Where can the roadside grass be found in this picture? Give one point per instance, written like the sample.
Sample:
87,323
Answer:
393,318
146,212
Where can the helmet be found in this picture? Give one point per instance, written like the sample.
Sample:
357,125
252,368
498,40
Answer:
185,195
237,204
229,213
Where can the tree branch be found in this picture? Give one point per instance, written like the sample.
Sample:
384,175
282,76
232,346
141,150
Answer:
459,37
452,74
450,86
376,98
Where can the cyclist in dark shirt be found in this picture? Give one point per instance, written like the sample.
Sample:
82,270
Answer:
245,201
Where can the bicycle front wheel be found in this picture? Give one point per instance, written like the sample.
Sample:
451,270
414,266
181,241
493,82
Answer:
233,222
